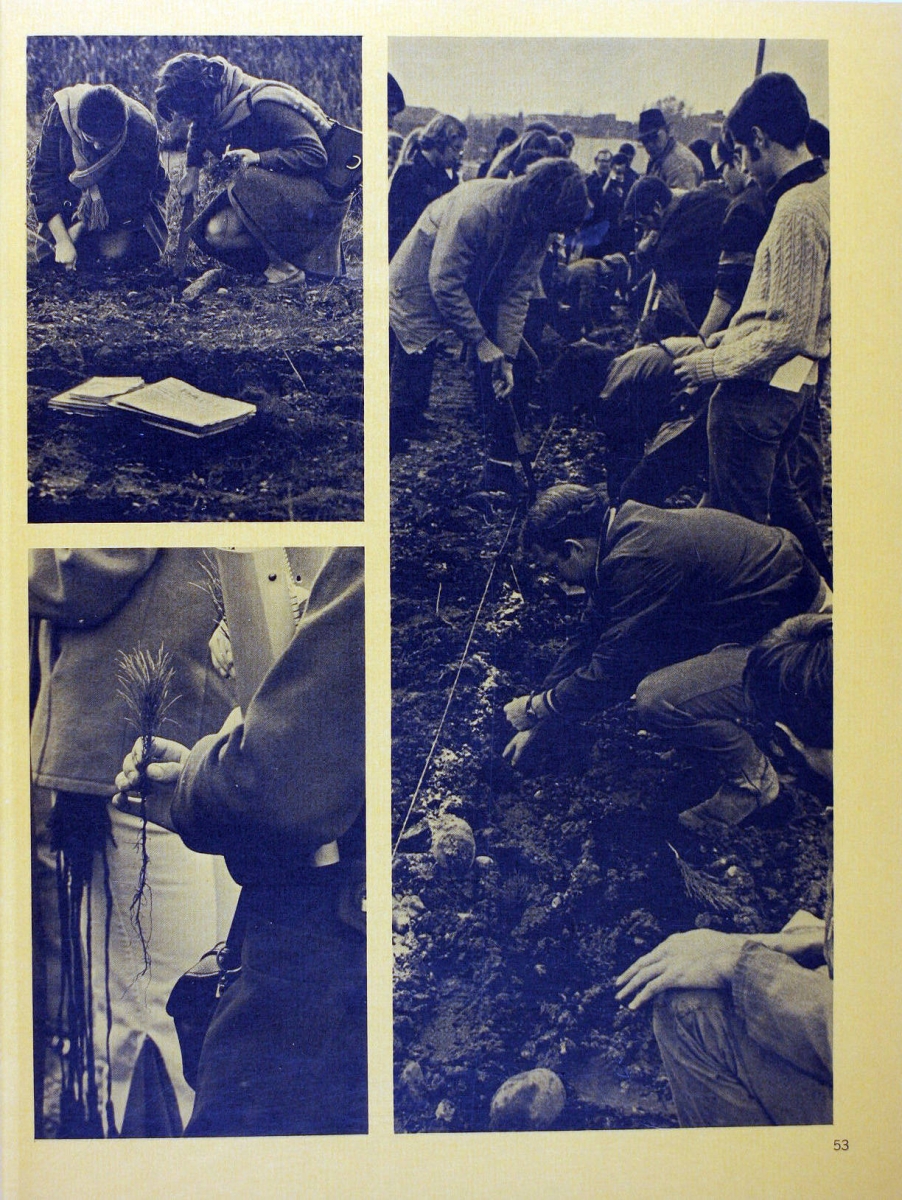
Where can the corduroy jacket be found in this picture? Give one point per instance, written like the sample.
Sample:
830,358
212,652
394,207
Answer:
469,265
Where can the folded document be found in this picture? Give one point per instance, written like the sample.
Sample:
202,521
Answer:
175,405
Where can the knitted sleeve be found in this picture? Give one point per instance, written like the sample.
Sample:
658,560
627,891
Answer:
783,304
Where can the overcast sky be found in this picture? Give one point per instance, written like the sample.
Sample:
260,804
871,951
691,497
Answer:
584,76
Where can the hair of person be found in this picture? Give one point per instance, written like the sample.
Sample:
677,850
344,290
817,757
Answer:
788,678
564,511
724,150
408,148
192,79
620,160
540,127
701,148
395,96
817,139
629,150
528,148
102,113
439,131
505,137
553,195
557,147
644,195
775,104
566,137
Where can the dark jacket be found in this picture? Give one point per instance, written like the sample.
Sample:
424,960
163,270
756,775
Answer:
744,225
285,141
290,778
134,183
688,248
94,604
671,584
414,185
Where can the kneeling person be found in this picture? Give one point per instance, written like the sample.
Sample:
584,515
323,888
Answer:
659,581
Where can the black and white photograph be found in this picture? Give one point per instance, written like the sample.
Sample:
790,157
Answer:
611,576
198,842
194,289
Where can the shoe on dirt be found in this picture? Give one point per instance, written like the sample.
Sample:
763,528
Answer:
735,799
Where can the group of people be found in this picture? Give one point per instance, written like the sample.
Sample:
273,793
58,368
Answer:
99,188
715,619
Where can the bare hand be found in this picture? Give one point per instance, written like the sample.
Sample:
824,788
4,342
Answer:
162,769
686,370
189,181
680,346
221,651
515,711
516,747
245,158
699,958
65,254
502,378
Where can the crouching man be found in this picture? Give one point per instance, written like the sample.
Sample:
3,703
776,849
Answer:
745,1023
659,582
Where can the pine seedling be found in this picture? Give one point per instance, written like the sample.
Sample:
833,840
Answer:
211,583
703,888
145,685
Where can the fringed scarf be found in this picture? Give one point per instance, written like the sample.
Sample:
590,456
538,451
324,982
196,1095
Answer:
90,172
80,830
239,92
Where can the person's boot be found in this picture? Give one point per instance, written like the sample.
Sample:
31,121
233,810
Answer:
736,798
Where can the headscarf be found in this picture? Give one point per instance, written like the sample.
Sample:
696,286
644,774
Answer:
234,92
89,172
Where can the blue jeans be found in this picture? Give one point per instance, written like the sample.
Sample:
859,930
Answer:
751,428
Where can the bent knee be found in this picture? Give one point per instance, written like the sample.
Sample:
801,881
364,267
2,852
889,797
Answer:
222,228
653,704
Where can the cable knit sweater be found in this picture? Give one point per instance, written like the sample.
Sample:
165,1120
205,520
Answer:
786,308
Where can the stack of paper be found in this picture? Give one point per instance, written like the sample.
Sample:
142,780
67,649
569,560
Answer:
92,396
175,405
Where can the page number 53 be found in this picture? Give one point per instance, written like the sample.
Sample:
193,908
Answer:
840,1143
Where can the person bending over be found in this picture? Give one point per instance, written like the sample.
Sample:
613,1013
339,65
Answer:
276,215
97,184
658,582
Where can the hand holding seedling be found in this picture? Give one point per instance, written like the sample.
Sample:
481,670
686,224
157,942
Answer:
221,651
156,777
243,157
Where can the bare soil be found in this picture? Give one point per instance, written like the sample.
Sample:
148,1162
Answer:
298,357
